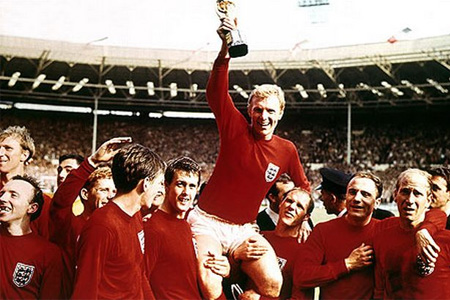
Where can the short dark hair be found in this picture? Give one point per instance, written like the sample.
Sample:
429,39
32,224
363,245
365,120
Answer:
374,178
183,164
38,196
133,163
311,201
284,178
75,156
442,172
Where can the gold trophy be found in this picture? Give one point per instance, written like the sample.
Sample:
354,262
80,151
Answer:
236,45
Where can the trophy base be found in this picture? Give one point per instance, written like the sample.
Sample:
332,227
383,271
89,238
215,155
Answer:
236,45
238,50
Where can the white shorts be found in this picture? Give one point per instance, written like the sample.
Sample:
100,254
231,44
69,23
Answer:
229,235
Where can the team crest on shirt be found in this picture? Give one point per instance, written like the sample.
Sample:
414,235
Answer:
271,172
141,238
281,262
22,274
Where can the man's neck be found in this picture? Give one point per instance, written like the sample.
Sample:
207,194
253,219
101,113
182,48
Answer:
6,177
86,214
410,225
282,230
341,213
129,202
18,227
446,208
165,207
357,221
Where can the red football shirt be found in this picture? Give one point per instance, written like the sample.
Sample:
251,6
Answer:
246,168
110,256
30,268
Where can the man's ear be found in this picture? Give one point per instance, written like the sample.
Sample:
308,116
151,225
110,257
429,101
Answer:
25,157
306,217
249,110
272,198
84,194
377,203
32,208
431,198
334,199
145,184
394,195
166,186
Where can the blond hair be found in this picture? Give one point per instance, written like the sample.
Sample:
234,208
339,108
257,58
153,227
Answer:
24,138
264,91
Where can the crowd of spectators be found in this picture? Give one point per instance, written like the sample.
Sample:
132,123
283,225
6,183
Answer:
386,148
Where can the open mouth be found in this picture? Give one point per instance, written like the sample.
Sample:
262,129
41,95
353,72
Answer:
184,200
409,210
264,125
5,209
289,215
356,207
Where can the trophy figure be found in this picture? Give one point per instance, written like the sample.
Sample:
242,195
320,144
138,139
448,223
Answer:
236,45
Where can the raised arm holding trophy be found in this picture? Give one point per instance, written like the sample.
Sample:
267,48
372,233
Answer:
251,158
236,44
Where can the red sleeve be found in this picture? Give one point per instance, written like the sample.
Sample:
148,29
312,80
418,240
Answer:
65,196
297,173
94,245
435,220
52,280
217,88
219,100
310,269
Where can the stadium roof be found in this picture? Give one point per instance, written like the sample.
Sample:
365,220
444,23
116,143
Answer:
358,64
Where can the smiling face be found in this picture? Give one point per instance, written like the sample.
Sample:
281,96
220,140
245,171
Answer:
413,197
12,155
264,116
153,191
15,198
293,209
361,200
100,194
180,193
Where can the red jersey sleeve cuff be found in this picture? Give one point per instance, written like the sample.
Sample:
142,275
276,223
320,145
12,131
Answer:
87,167
339,268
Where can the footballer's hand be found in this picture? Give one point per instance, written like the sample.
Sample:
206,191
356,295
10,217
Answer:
360,257
107,150
426,247
251,249
218,264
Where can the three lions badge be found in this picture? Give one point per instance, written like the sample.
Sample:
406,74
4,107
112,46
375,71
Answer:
22,274
271,172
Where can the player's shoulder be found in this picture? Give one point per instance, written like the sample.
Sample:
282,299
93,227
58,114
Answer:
44,246
283,142
330,223
443,236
